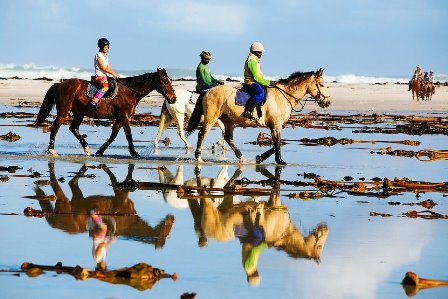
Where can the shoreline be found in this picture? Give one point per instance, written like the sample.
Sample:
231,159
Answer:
357,97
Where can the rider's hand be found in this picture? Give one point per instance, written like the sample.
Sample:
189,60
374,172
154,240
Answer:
273,83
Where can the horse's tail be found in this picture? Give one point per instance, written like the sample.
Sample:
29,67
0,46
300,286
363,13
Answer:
195,118
47,104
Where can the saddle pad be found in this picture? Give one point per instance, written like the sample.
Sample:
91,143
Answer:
111,93
194,97
241,98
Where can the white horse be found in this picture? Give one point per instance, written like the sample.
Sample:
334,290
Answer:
172,198
176,112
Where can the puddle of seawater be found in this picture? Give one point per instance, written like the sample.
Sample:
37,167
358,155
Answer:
361,257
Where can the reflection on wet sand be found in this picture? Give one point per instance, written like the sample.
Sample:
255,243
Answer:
258,224
102,231
71,215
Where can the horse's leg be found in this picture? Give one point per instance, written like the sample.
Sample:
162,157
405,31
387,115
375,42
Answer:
74,128
228,136
165,121
276,138
275,132
59,120
265,155
115,129
180,118
222,140
206,127
128,132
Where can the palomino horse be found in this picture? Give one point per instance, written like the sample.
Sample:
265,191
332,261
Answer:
232,220
219,103
71,96
176,112
417,89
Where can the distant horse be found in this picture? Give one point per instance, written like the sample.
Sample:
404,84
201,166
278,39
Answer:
219,103
71,96
417,90
176,112
427,90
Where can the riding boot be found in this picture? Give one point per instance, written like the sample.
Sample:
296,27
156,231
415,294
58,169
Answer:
250,105
410,85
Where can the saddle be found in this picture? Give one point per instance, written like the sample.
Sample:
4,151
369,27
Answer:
92,88
194,97
242,96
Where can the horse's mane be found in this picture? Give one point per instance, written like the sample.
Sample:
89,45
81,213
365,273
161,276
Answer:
296,77
136,80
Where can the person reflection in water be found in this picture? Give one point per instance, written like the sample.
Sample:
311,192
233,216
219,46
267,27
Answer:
253,240
102,230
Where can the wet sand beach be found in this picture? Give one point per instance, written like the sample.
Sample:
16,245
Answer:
344,219
345,96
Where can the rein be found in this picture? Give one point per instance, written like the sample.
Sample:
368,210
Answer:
285,93
299,101
137,92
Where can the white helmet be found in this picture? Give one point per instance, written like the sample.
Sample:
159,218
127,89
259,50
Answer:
257,47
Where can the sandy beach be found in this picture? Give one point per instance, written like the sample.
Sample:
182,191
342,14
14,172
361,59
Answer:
378,98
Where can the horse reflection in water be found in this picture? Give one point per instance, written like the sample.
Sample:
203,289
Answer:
80,213
170,195
258,224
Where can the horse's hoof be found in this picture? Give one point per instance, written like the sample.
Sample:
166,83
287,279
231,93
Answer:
87,151
52,152
199,160
98,154
135,155
258,159
281,162
241,160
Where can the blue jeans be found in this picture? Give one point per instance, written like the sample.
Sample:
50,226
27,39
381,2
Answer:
256,91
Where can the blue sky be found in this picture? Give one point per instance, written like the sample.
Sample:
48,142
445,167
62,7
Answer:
362,37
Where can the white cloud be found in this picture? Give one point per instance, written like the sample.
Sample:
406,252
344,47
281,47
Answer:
204,18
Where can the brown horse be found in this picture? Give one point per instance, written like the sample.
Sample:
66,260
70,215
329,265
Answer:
427,90
70,214
219,103
71,96
417,89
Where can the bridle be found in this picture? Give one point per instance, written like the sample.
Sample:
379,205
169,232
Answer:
319,96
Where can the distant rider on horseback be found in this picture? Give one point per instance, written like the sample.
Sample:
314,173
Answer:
204,78
253,79
418,75
102,69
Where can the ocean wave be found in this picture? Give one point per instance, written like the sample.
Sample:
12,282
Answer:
33,71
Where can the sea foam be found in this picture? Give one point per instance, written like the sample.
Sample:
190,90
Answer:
33,71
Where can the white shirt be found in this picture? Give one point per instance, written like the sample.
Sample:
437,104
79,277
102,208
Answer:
105,59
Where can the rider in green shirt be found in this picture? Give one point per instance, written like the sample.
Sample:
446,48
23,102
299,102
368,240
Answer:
204,78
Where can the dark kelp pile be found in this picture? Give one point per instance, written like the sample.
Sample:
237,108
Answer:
412,284
141,276
367,123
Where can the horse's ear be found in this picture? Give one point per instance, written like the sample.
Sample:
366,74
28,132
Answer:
320,72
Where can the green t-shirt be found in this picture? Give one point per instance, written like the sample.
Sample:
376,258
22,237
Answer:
204,78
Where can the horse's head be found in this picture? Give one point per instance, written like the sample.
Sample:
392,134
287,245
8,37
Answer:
318,89
164,86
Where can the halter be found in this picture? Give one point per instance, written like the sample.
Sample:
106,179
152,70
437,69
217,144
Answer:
299,101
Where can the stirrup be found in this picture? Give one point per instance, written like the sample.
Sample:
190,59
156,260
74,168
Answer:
248,115
93,105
